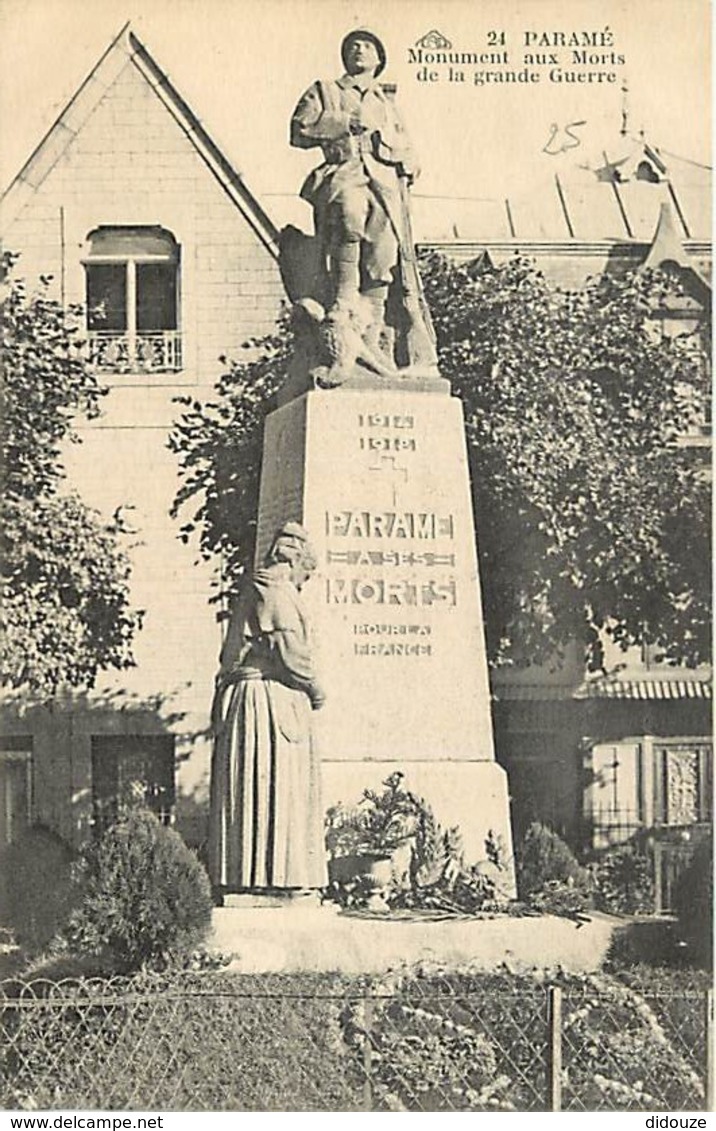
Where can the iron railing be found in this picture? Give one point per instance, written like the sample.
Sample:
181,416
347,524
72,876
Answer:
157,352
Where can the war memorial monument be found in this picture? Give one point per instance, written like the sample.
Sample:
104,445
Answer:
366,458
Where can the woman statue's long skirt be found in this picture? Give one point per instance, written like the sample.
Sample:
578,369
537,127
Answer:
266,812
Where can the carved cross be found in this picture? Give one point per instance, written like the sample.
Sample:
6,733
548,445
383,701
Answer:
392,474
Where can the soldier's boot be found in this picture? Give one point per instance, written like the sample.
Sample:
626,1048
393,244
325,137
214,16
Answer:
377,335
346,275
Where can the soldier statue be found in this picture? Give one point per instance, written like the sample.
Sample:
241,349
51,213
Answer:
367,285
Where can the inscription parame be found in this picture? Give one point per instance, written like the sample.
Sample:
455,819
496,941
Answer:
389,524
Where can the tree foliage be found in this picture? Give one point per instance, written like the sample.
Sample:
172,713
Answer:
64,573
219,445
591,517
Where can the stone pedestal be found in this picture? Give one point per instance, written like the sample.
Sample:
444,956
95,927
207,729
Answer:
276,901
379,477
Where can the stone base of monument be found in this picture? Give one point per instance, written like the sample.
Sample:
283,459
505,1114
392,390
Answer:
378,474
270,940
278,900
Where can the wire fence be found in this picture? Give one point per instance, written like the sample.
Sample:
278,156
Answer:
490,1042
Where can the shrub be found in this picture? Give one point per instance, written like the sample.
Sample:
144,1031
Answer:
694,904
145,898
36,887
623,881
646,944
544,858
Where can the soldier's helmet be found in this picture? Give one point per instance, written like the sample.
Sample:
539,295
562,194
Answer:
363,33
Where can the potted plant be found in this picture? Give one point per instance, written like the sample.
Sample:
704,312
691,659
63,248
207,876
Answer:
364,840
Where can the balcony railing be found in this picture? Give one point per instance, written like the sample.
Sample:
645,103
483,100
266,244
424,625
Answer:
157,352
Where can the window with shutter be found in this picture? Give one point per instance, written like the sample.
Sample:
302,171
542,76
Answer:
15,787
132,294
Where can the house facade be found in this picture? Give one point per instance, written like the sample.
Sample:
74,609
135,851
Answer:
137,215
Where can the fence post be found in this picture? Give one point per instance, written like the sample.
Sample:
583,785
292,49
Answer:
709,1042
658,879
367,1053
554,1049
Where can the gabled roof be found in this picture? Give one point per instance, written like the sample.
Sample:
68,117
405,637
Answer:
126,47
606,191
565,210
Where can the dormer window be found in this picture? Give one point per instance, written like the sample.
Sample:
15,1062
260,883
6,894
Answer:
645,171
132,297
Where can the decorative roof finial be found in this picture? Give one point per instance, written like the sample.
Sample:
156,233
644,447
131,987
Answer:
625,108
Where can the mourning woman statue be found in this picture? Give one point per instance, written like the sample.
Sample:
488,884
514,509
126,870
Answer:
266,814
